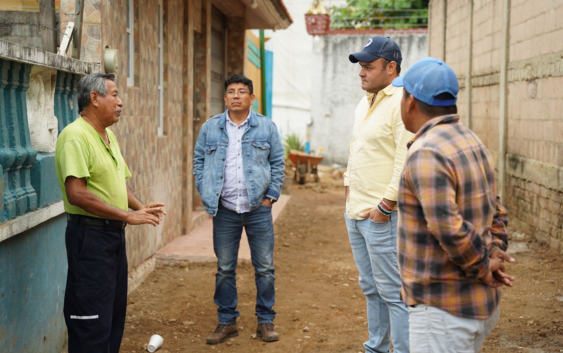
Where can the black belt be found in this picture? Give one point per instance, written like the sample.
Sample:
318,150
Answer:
95,222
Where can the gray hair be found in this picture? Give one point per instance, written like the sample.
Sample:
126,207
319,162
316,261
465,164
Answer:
92,83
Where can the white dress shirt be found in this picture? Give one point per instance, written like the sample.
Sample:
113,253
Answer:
234,195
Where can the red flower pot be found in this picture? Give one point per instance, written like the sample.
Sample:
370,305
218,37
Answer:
317,24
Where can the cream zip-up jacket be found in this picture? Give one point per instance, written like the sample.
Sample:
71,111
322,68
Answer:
377,152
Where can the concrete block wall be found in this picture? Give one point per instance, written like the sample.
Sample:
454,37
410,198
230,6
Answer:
534,161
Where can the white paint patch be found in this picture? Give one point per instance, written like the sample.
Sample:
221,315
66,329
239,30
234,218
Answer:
41,108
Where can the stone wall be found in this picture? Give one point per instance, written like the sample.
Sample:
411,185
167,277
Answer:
534,191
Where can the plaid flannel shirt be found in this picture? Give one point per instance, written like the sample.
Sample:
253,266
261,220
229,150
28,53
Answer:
449,218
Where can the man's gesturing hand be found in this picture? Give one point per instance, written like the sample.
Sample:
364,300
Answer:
159,205
145,216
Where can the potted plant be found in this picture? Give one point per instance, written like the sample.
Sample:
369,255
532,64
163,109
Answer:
317,19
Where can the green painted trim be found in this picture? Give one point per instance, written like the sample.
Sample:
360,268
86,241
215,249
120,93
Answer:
253,47
263,98
254,59
255,106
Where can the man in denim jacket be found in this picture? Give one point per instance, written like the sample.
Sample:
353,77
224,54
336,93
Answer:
239,168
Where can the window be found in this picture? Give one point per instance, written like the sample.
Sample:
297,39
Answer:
160,71
130,44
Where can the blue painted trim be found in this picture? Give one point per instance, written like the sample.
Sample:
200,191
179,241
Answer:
269,67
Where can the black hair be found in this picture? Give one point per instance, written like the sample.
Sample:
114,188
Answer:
385,62
239,79
434,110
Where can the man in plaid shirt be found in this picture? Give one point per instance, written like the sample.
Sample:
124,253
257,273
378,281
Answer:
452,229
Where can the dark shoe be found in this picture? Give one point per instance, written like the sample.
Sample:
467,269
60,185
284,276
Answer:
267,332
221,333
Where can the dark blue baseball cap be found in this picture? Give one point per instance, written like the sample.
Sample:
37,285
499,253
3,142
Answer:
429,78
378,47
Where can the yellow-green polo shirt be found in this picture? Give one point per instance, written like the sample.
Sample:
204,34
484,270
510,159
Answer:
81,153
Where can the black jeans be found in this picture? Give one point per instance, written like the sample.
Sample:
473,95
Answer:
95,300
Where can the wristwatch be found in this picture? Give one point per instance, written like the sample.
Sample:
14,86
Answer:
271,199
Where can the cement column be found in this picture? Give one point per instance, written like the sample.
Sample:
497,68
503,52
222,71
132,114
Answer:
468,86
47,19
429,27
236,45
187,117
202,77
444,28
503,109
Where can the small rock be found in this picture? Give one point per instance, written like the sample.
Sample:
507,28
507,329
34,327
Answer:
333,306
307,336
229,344
560,299
305,329
253,336
299,340
345,284
241,328
172,320
285,244
187,323
516,247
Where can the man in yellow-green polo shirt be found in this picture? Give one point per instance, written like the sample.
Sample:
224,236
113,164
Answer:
92,175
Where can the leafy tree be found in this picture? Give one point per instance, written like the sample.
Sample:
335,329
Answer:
364,14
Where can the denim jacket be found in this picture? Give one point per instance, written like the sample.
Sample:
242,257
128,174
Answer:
263,160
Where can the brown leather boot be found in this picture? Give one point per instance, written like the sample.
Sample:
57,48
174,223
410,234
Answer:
221,333
267,332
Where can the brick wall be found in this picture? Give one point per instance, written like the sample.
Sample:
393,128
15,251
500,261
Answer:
534,193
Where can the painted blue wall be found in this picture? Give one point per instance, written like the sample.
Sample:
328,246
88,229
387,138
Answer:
269,81
33,268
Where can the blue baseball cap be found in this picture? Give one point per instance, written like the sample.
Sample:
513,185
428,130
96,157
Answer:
378,47
429,78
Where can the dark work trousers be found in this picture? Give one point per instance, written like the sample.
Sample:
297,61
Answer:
96,288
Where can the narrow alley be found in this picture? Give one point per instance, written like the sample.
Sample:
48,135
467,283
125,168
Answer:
319,303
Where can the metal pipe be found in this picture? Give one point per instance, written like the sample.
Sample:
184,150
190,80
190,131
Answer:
263,98
468,85
503,109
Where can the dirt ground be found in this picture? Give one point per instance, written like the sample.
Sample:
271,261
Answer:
319,303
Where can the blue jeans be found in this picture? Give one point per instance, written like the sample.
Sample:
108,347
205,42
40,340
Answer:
374,246
227,230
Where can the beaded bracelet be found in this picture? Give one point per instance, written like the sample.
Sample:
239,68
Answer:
386,207
383,211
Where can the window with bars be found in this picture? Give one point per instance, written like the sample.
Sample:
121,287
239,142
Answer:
130,44
160,70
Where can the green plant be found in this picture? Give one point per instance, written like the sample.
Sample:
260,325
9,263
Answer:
386,14
292,142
